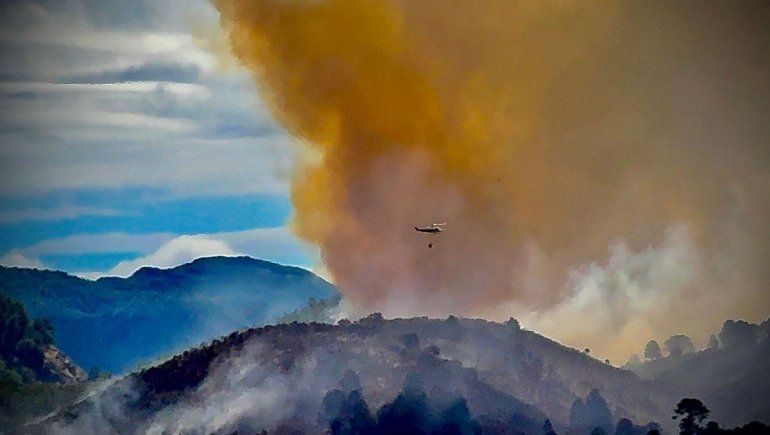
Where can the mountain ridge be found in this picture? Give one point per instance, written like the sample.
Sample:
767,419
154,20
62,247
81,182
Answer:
116,323
506,375
237,260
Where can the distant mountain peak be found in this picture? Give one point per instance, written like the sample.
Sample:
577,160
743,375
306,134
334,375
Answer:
203,264
116,323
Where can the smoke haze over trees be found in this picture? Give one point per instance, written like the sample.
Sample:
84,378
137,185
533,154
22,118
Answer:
418,372
730,374
419,375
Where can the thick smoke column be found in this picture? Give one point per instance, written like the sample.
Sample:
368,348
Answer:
542,132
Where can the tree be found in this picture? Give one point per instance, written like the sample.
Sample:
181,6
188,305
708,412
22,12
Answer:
23,341
456,419
9,381
410,340
598,412
713,342
712,428
13,326
738,334
578,417
350,381
678,345
29,355
652,350
633,361
41,332
407,414
652,428
346,414
513,324
691,413
625,427
548,428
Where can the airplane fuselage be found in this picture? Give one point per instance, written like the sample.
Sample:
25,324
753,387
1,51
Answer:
430,230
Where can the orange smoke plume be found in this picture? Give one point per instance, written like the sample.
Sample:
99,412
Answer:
541,132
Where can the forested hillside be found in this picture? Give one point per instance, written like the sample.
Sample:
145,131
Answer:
114,324
35,377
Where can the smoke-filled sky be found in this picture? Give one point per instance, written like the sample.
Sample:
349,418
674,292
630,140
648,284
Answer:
602,167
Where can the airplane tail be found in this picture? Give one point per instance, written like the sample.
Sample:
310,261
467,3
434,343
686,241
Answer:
416,229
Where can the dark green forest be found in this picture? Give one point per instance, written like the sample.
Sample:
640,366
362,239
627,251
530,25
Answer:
23,342
29,387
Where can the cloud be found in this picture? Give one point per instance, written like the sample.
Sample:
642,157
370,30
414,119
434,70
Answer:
95,96
54,214
113,242
182,166
272,244
180,250
149,71
16,259
146,86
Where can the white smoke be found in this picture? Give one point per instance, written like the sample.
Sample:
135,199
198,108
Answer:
627,298
245,390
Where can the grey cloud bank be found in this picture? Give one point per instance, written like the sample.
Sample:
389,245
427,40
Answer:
109,95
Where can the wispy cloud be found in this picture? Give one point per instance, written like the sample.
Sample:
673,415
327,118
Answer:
114,242
180,88
112,96
179,250
152,71
274,244
54,214
97,95
17,259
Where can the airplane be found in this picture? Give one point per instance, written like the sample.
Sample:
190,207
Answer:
433,229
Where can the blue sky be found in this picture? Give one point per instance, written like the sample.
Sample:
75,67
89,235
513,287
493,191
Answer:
124,141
